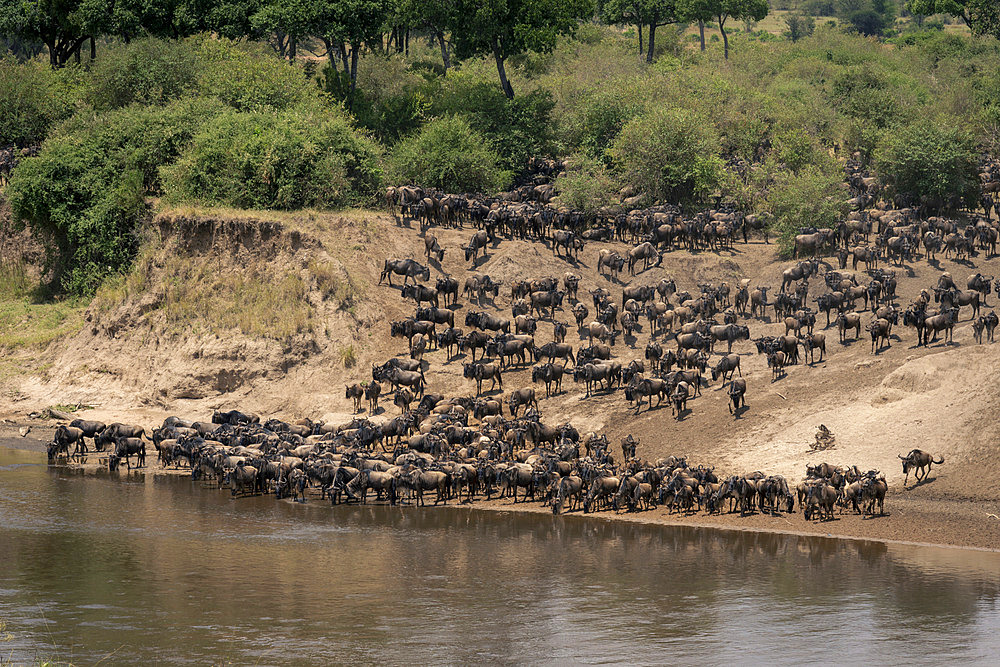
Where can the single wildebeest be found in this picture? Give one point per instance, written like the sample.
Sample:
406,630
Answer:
357,392
519,397
737,395
408,268
920,461
550,374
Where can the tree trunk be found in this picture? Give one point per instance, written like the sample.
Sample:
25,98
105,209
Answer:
504,83
725,37
354,73
406,42
701,33
93,49
76,53
640,39
343,57
444,52
291,49
652,43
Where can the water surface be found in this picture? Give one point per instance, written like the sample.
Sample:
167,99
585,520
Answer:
160,569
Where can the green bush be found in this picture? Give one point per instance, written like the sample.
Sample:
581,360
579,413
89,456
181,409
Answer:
281,160
146,71
86,187
516,130
936,161
601,118
450,155
669,154
586,185
248,76
813,197
32,99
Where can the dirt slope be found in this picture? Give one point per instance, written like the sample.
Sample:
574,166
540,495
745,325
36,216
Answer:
144,355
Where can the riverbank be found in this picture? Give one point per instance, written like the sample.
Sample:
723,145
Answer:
920,521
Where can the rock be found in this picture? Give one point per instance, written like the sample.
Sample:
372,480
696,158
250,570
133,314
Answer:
24,430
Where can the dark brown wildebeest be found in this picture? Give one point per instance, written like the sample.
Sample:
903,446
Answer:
476,243
811,343
420,294
646,388
519,397
920,462
728,365
432,247
879,330
729,333
372,392
942,322
846,321
737,395
809,244
480,371
646,252
800,271
357,392
408,268
550,374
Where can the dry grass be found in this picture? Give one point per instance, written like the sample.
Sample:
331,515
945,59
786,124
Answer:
200,298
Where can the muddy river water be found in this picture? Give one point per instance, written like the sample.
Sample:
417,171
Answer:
143,569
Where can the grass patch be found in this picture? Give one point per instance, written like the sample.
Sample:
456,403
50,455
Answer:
348,357
202,297
24,324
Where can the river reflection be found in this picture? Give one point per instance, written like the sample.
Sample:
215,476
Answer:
163,569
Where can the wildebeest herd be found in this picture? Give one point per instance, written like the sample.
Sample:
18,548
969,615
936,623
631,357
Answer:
561,468
495,443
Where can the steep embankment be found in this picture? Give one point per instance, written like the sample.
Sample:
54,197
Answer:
275,313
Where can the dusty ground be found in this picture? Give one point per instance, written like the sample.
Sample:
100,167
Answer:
941,398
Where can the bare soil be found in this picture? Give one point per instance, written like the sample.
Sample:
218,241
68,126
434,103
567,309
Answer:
133,367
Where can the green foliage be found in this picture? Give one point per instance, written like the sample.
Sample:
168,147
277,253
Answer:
799,25
812,197
281,160
248,77
669,154
982,16
32,99
86,187
933,160
586,185
448,154
146,71
602,117
515,129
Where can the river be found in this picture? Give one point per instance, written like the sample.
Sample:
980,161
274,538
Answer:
159,569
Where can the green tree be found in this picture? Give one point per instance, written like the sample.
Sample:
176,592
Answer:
721,11
62,25
449,155
649,13
435,16
799,26
811,197
932,161
504,28
982,16
669,154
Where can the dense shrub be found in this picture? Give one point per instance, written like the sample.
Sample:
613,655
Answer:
669,154
86,187
812,197
586,185
146,71
248,77
284,160
935,161
515,130
450,155
32,99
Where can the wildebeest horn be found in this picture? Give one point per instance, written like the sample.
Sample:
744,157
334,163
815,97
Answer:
901,457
